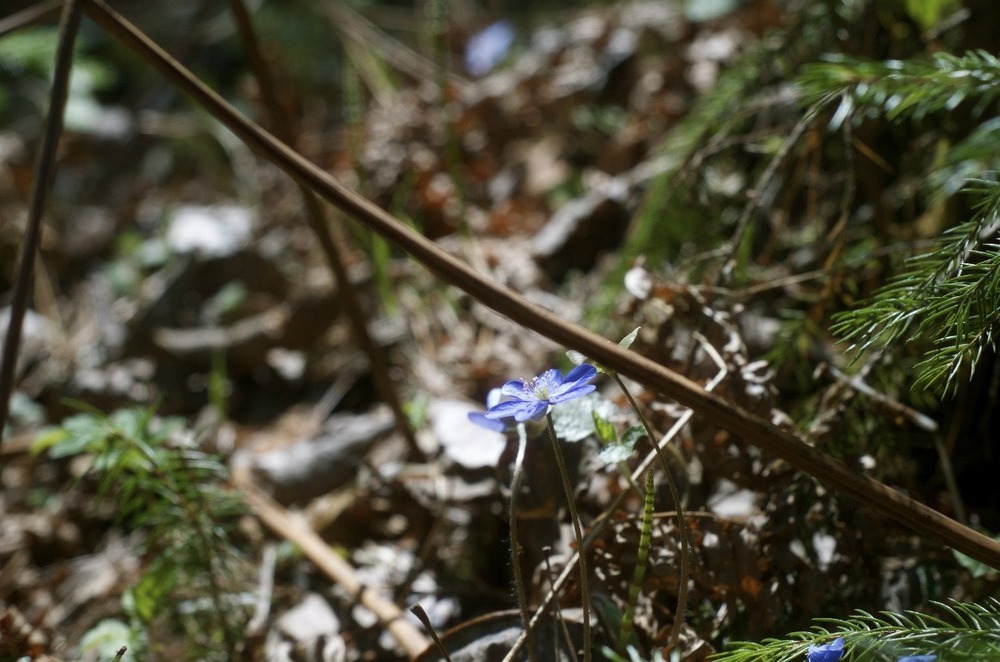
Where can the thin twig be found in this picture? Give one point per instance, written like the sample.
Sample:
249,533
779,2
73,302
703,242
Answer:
562,622
283,128
363,35
44,167
257,624
29,16
294,529
741,423
753,197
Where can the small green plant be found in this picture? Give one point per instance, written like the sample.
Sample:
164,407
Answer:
175,498
579,415
620,452
963,631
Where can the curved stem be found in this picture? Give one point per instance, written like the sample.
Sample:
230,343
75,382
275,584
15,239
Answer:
515,547
578,530
682,588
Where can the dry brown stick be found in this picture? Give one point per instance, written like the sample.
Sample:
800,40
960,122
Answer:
44,167
284,128
29,15
741,423
293,528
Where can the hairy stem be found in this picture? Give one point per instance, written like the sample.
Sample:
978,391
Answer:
515,547
574,515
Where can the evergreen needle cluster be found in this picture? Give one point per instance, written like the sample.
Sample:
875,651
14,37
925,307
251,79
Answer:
175,496
963,631
899,89
949,294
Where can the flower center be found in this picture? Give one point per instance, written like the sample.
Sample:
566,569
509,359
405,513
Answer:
540,387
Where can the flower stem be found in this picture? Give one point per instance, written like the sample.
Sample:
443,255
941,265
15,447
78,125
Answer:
578,531
515,547
682,589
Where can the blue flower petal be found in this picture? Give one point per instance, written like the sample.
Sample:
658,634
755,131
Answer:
507,409
575,384
830,652
572,393
582,373
546,383
487,48
488,423
530,410
918,658
519,389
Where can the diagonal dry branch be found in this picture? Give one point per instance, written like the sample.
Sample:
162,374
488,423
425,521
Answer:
750,428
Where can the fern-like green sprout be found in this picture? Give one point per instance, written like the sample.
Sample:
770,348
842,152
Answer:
685,547
176,496
645,540
963,631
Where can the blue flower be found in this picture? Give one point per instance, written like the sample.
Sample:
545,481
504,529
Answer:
917,658
830,652
493,398
530,400
487,48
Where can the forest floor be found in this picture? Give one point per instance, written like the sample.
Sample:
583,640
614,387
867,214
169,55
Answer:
203,461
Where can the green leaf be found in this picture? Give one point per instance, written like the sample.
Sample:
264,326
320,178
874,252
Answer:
575,357
574,420
929,13
623,449
48,439
632,436
605,429
612,455
627,341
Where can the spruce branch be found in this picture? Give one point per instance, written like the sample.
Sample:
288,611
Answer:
901,89
963,631
949,294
